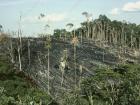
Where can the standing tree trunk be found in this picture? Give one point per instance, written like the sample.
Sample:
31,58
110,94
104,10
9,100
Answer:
80,79
75,64
81,37
131,39
48,45
88,29
65,36
29,53
48,71
75,61
75,42
20,45
11,50
139,43
19,50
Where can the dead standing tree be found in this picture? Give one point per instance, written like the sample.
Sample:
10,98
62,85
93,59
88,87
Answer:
29,53
88,16
48,46
75,42
19,44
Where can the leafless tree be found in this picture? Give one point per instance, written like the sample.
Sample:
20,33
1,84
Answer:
19,45
75,42
48,45
29,53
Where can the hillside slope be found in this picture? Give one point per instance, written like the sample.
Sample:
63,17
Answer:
89,56
18,89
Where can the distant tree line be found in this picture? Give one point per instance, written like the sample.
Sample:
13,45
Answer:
104,30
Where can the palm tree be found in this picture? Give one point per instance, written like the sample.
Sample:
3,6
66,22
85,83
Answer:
87,15
70,26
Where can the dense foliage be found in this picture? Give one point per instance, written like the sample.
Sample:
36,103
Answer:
117,86
18,89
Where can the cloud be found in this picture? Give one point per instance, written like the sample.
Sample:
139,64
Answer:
54,17
115,11
132,7
128,7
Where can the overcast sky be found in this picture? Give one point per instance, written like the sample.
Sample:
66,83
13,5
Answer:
60,12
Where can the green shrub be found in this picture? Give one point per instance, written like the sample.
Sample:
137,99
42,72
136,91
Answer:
119,86
16,90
